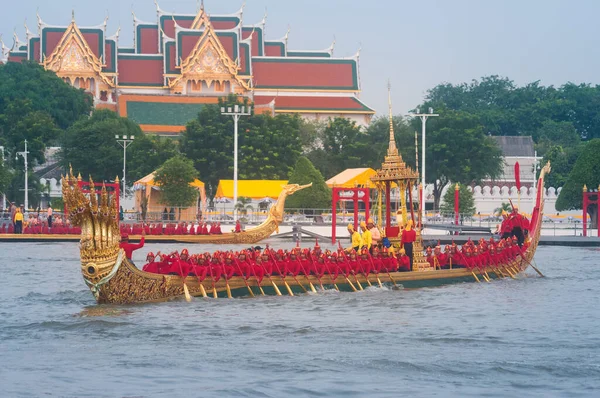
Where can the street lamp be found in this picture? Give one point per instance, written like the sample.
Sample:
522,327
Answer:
237,111
24,155
124,142
423,117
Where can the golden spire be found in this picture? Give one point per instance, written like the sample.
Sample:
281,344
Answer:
584,188
392,150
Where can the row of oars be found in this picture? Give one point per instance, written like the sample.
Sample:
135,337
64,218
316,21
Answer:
188,296
508,270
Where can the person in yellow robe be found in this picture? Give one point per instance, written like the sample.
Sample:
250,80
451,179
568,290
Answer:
356,240
367,239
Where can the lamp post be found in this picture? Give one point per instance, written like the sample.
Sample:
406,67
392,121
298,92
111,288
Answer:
24,155
3,194
237,111
124,142
424,117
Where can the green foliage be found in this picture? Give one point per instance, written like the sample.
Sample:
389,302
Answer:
585,171
506,207
553,134
148,153
243,205
562,160
268,146
174,178
91,148
316,197
343,146
466,202
311,134
5,177
34,89
458,150
505,109
34,105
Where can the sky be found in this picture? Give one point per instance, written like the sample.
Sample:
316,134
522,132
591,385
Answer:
414,44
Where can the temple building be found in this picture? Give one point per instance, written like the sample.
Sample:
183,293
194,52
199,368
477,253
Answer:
181,62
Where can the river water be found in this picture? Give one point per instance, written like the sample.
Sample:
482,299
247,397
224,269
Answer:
528,337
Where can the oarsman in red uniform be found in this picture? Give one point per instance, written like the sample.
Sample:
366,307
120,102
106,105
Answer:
403,262
409,235
130,247
150,265
365,262
429,256
440,259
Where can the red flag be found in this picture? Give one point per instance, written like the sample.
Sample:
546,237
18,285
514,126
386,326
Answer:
518,176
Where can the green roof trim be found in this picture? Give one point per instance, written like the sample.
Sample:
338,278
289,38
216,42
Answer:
278,44
164,18
260,38
138,33
248,56
233,35
363,108
82,30
352,62
125,50
168,49
310,54
32,41
113,52
162,113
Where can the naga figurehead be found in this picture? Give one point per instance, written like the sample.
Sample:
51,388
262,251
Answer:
277,209
100,236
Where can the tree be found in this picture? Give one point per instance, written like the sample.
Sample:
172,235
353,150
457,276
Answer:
504,207
562,161
586,171
553,134
174,178
458,150
466,202
5,177
91,148
243,205
311,134
316,197
268,146
29,83
148,153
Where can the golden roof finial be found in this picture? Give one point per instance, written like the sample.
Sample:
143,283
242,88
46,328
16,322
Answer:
392,146
584,188
117,179
456,187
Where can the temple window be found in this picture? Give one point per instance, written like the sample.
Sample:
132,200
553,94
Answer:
103,96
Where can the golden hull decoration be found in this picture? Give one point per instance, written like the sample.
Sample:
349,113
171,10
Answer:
113,279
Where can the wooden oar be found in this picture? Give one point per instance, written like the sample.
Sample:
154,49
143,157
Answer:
312,287
533,266
317,272
353,274
212,276
287,286
277,291
243,278
186,291
202,290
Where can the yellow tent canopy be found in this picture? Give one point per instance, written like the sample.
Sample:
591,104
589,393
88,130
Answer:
350,178
253,189
148,181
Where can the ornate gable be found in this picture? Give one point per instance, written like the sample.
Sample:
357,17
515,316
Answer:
208,63
73,59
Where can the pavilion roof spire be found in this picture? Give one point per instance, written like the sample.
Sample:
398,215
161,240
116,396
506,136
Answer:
392,149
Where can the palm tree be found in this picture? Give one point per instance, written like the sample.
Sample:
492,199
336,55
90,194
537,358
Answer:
504,207
243,205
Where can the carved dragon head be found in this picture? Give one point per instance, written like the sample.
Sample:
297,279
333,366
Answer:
276,210
100,236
